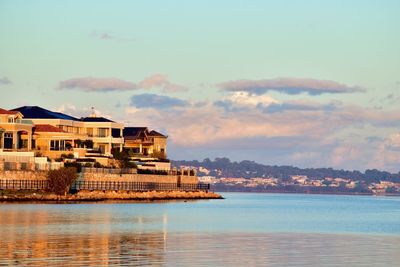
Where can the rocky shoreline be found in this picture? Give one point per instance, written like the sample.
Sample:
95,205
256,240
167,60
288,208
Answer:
110,195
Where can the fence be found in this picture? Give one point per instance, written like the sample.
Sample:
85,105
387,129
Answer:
138,186
105,185
109,171
24,184
30,166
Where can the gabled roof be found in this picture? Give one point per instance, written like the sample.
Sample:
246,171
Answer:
132,133
35,112
8,112
155,133
47,128
95,119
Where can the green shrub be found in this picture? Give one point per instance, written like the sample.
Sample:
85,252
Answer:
75,165
67,156
88,143
97,165
61,180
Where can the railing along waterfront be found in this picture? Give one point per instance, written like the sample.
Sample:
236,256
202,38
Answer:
105,185
138,186
23,184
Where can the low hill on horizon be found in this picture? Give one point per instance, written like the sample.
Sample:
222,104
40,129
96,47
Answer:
224,167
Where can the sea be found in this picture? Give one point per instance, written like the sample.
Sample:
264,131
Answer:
244,229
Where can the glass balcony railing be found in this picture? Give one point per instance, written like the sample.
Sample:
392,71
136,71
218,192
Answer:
23,121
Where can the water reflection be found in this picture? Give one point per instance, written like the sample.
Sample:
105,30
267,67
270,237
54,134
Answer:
281,249
38,238
134,235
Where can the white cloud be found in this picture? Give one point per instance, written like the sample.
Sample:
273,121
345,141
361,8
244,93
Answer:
247,99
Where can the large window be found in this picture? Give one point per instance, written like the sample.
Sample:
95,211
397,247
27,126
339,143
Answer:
8,140
57,145
102,132
116,133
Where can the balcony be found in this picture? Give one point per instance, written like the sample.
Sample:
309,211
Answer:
23,121
106,139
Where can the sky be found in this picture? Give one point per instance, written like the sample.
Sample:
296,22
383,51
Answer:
288,82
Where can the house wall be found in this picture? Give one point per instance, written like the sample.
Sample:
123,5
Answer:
160,143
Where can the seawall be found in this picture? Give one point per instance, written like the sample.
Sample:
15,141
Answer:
109,195
152,187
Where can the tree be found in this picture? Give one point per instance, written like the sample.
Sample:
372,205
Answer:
88,143
61,180
79,143
123,159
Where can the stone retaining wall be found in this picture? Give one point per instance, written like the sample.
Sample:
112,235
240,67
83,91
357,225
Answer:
23,175
42,175
139,178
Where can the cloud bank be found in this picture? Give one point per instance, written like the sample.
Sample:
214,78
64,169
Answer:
95,84
91,84
302,132
156,101
161,80
292,86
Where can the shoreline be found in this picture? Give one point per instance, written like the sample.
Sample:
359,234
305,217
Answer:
99,196
311,193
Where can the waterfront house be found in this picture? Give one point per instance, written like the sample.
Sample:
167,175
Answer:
15,133
144,143
104,134
51,134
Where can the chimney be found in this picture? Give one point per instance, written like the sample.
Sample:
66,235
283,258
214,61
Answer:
93,115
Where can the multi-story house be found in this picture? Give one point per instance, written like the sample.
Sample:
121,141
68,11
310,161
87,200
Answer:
64,131
15,133
143,142
32,128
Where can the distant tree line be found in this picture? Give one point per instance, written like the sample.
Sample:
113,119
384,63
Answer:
223,167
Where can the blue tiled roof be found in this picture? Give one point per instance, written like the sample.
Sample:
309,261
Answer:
133,131
35,112
95,119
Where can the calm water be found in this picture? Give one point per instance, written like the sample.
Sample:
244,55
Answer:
242,230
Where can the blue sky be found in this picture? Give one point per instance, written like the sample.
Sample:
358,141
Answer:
305,83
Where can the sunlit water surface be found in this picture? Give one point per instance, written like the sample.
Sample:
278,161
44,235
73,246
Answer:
242,230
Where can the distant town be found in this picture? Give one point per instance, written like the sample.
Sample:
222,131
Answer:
248,176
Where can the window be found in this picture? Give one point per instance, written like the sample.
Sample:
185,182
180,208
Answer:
57,145
24,144
102,149
10,120
89,132
102,132
116,133
8,135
